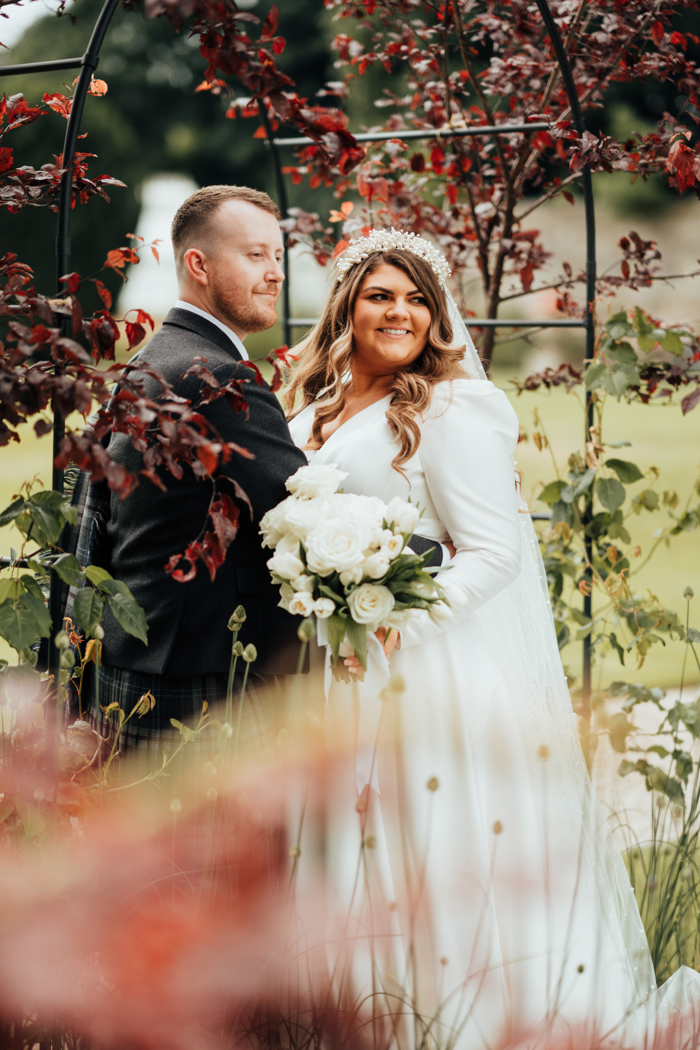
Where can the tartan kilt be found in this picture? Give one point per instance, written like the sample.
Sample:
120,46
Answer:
182,699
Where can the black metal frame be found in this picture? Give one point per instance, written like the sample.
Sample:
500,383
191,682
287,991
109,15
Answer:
87,63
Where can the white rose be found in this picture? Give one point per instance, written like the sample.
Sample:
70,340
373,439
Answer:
392,547
303,515
369,509
336,546
286,566
440,613
286,595
324,607
302,604
402,515
376,566
315,480
274,524
352,576
370,603
303,583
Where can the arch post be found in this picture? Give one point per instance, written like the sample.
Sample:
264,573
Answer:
88,64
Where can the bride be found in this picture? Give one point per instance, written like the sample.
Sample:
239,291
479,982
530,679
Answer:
494,905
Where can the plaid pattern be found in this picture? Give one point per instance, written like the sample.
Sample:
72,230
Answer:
180,698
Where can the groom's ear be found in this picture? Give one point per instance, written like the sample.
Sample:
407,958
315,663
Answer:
197,265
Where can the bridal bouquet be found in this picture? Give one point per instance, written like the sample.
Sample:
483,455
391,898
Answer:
344,559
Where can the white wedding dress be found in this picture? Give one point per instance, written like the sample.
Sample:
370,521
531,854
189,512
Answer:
492,902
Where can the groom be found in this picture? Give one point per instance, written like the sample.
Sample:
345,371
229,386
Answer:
228,250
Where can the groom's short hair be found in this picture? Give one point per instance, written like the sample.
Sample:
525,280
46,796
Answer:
193,218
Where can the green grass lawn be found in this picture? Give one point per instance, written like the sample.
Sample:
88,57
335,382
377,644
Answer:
660,437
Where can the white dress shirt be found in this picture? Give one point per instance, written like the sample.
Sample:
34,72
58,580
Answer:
182,305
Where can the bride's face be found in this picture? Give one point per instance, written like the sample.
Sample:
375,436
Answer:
390,322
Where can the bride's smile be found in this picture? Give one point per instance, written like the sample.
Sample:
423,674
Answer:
391,321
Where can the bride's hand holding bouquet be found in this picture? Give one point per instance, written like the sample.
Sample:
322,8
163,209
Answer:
345,560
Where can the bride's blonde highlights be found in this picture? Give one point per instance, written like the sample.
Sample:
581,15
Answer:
325,356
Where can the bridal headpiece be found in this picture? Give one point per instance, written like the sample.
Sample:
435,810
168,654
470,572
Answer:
393,240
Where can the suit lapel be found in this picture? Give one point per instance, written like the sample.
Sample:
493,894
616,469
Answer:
205,329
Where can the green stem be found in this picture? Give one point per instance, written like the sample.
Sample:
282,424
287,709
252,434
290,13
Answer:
240,709
231,676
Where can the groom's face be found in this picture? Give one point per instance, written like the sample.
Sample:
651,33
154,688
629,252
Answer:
245,275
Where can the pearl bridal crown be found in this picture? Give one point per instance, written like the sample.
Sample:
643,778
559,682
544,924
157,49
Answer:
393,240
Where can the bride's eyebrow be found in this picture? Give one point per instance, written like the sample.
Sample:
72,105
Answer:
388,291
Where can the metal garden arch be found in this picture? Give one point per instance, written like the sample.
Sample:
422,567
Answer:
87,63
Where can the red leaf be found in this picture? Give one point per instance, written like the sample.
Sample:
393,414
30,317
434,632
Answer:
437,160
657,33
154,251
6,161
135,333
208,455
451,193
690,400
73,282
42,427
278,45
567,196
104,293
417,162
270,24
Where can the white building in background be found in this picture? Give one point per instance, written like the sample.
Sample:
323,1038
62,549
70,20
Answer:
152,286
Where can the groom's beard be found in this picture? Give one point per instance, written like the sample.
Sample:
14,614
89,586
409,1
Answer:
242,309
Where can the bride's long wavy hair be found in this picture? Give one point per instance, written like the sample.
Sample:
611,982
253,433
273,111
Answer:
326,353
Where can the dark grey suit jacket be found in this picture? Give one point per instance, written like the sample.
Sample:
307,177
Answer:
187,622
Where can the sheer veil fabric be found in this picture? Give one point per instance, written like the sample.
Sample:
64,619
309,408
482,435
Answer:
494,903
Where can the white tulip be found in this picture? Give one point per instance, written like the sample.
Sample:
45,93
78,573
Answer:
398,618
324,607
302,604
336,546
392,547
286,566
286,595
376,566
440,613
402,515
315,480
370,603
274,524
288,544
351,576
303,583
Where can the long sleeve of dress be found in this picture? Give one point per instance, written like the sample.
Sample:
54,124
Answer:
466,451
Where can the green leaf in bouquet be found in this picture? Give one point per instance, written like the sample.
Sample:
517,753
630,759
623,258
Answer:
336,633
302,554
357,636
328,592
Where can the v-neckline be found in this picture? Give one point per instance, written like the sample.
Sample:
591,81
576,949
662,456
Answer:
355,415
352,419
